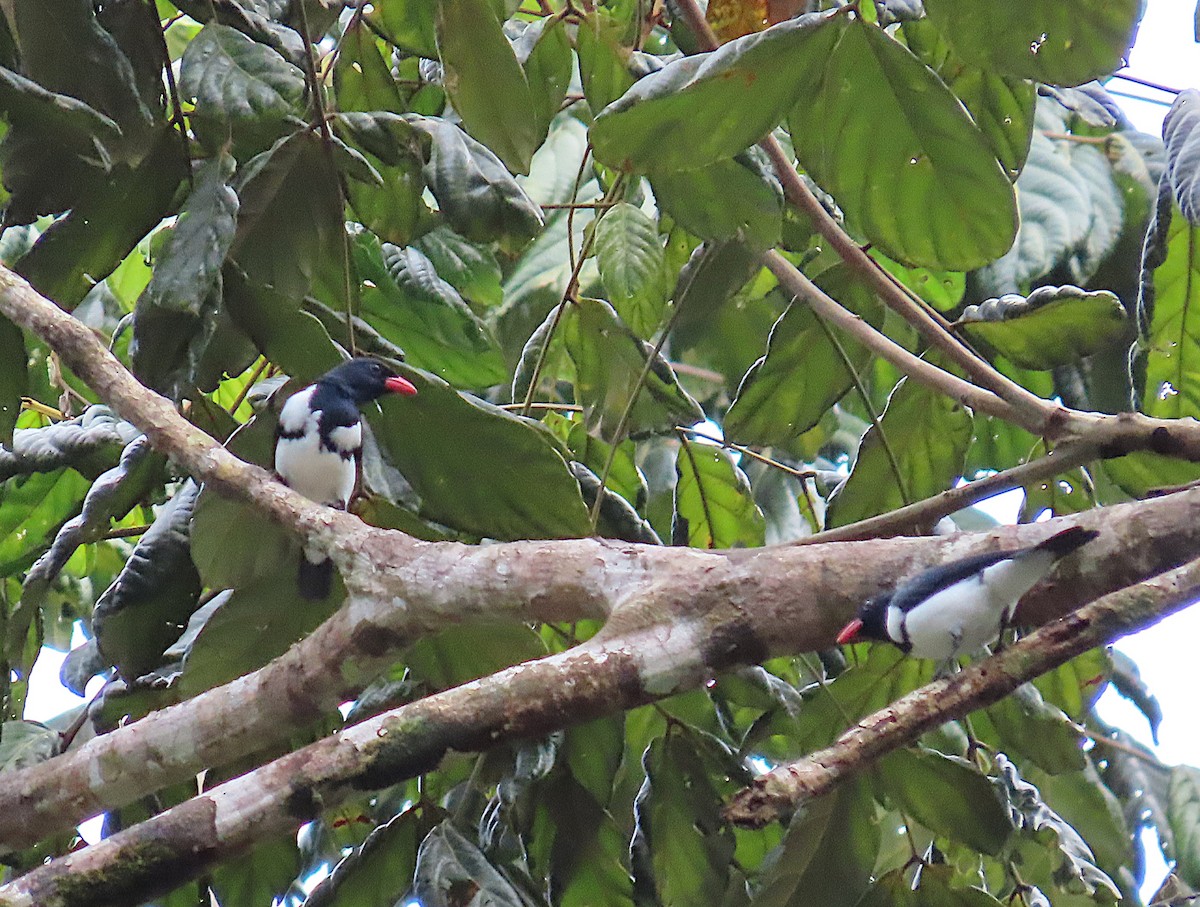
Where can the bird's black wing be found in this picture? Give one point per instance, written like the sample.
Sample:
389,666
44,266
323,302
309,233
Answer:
911,593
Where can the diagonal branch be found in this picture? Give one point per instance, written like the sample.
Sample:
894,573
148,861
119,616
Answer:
788,787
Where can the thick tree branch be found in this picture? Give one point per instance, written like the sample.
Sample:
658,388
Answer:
788,787
613,672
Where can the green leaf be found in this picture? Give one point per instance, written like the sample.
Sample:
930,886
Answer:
362,80
939,886
408,302
458,655
828,853
624,477
632,265
440,438
679,117
1050,847
236,82
714,507
609,359
106,222
485,82
1181,135
378,872
143,611
14,378
25,103
941,289
928,434
948,796
603,59
1043,40
1184,814
922,182
449,866
548,68
171,310
408,24
1002,106
32,509
478,196
258,622
1028,726
802,374
25,743
1087,803
1052,326
290,222
1070,213
260,876
682,848
737,198
469,267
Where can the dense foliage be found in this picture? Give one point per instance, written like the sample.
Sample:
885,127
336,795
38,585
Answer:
555,218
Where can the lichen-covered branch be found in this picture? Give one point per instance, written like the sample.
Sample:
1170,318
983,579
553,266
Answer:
788,787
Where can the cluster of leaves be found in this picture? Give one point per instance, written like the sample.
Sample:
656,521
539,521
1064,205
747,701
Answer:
558,217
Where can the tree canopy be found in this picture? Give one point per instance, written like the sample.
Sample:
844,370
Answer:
721,321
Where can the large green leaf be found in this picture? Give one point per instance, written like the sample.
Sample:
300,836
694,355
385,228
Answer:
1002,106
485,82
679,117
632,265
1063,43
148,604
406,300
377,873
603,59
727,199
828,853
409,24
609,359
926,434
802,374
106,222
290,223
25,743
938,886
548,64
682,848
470,268
1024,724
446,444
31,510
237,84
257,623
173,307
458,655
714,507
901,156
362,80
476,193
1050,327
948,796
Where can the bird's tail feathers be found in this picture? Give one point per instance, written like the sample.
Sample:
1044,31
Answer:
1063,543
315,579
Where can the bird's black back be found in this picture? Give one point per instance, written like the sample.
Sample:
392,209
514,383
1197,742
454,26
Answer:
929,582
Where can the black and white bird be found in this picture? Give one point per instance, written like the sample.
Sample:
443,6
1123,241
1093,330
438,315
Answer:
958,608
318,443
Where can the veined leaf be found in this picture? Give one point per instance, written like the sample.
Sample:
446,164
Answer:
1052,326
409,24
1184,814
609,359
928,434
632,266
679,117
902,157
714,507
1181,134
485,82
1061,43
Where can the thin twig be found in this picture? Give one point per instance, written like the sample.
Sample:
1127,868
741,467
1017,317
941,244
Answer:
749,452
923,513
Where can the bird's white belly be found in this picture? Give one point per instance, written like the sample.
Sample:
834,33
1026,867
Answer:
318,474
960,619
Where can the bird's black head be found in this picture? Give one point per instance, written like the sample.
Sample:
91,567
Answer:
365,379
871,622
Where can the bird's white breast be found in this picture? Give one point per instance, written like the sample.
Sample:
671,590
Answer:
320,474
